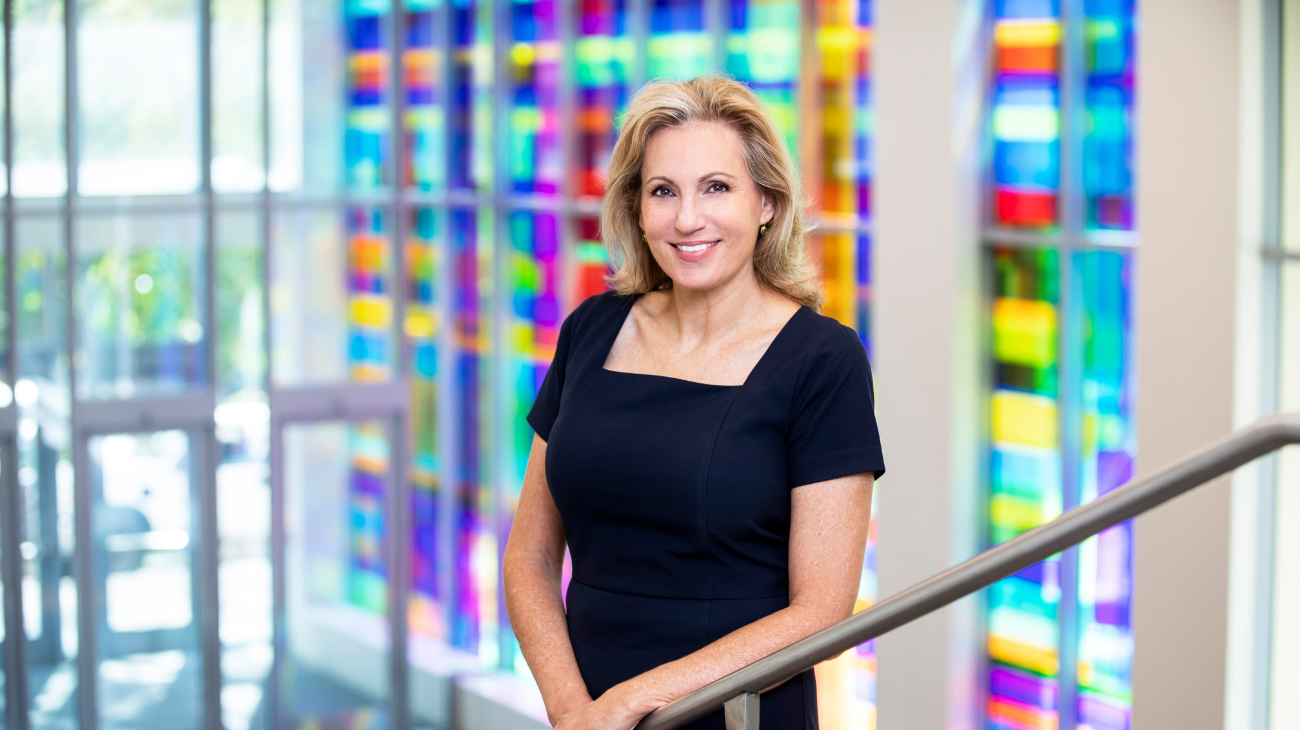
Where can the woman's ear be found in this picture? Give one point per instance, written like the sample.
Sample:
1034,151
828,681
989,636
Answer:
769,210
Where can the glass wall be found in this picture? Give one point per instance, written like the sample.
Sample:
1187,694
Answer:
1282,271
293,205
1061,249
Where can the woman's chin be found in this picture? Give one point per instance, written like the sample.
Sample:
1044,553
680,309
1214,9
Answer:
697,282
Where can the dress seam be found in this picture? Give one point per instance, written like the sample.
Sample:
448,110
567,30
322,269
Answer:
708,478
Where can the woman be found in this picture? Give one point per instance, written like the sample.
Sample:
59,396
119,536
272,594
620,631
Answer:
705,443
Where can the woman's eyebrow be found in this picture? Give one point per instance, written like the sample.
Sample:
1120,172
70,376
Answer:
706,176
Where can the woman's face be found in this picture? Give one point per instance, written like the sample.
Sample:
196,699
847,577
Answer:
700,209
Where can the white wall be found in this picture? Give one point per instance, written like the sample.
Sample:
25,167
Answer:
1186,307
927,321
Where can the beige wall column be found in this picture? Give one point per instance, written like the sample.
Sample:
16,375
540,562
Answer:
927,325
1186,307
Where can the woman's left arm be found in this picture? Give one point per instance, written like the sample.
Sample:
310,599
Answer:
828,538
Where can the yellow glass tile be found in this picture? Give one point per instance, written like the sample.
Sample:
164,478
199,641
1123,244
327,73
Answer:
1024,419
1033,658
1017,514
1027,33
371,311
1024,332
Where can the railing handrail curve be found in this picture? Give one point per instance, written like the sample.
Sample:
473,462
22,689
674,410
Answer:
1126,502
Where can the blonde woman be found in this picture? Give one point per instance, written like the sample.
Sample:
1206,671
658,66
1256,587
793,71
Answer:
705,442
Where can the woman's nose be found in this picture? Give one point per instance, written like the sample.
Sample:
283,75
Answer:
689,217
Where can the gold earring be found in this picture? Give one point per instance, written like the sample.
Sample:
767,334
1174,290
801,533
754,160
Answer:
762,230
643,240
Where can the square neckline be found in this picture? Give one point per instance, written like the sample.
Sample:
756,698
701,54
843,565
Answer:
693,383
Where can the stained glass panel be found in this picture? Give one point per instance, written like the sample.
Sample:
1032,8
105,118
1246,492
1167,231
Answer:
1026,113
1025,464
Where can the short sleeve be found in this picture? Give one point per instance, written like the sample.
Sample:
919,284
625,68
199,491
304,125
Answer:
546,407
833,429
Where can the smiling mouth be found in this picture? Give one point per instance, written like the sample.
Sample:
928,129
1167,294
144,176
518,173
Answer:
693,247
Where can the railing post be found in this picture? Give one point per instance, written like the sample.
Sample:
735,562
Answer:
742,712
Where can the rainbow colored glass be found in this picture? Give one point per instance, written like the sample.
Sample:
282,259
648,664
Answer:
370,309
425,168
1031,400
517,260
680,46
841,191
476,613
603,57
1108,144
603,54
1026,113
763,52
1105,279
1024,628
424,245
426,125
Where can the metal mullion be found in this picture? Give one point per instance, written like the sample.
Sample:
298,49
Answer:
1274,259
447,409
398,504
205,466
638,22
499,313
1274,254
1069,350
11,511
567,20
716,26
83,557
206,452
279,591
447,393
15,643
136,415
397,509
117,206
10,246
275,456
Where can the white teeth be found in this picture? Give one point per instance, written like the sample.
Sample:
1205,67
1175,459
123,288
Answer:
694,249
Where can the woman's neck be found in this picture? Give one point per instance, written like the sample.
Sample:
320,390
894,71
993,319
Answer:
702,316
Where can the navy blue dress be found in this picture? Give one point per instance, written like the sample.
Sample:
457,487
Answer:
675,495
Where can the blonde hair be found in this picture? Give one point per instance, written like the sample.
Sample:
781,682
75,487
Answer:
779,260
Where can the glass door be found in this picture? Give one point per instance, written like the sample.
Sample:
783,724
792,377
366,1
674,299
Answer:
6,465
144,577
47,543
333,525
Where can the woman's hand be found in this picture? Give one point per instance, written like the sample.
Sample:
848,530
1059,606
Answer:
621,708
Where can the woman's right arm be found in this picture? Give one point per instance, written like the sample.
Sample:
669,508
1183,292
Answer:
534,561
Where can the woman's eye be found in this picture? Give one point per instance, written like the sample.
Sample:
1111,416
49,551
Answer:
718,187
661,191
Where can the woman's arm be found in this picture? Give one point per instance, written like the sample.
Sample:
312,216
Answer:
534,560
828,537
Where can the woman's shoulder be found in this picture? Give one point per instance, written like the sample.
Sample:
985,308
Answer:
596,313
821,336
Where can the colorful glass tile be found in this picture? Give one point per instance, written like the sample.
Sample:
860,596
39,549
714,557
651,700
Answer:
1026,489
1105,280
1026,121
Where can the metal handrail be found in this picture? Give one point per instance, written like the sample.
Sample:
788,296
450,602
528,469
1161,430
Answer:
739,691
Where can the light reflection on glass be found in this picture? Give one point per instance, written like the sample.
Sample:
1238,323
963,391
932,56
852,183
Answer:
140,292
336,668
138,94
144,567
